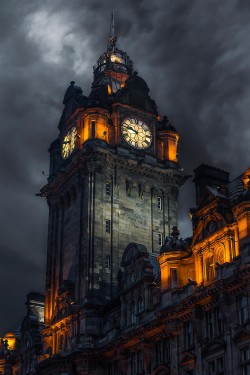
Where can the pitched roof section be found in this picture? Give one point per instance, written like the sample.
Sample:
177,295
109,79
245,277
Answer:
235,188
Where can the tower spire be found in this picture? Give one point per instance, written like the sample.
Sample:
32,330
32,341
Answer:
112,38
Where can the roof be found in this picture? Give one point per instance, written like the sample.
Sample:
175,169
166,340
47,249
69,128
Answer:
235,188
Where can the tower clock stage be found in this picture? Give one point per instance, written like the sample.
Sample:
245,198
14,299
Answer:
114,180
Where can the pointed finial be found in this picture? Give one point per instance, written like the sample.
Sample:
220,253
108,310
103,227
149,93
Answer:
112,25
112,38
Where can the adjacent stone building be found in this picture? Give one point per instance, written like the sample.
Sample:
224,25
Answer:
124,293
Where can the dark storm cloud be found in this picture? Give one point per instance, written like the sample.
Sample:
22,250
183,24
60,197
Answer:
195,57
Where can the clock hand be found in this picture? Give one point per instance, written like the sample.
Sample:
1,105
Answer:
131,129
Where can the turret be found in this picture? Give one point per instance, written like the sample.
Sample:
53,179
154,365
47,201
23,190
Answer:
175,261
168,140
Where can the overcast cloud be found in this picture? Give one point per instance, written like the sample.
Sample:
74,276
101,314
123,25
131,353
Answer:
195,57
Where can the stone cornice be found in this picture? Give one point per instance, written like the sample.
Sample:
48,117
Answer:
100,160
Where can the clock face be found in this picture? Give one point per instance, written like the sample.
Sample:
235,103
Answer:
136,133
69,142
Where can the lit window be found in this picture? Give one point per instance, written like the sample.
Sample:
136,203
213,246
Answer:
242,301
107,226
160,242
159,203
108,189
107,262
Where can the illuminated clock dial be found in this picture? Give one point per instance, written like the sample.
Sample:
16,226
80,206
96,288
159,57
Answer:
69,142
136,133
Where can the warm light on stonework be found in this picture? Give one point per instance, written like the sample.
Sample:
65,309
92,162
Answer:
10,337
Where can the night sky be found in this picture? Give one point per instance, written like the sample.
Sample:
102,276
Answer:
195,58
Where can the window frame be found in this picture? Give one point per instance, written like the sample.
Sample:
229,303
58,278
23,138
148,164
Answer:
160,238
108,225
159,202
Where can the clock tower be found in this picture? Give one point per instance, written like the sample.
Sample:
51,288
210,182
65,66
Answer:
114,180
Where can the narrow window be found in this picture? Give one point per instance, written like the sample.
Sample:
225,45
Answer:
166,351
245,354
218,321
140,362
116,368
220,364
107,262
107,226
160,239
110,369
159,202
188,333
210,324
243,309
173,275
158,353
93,129
108,189
134,364
211,368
